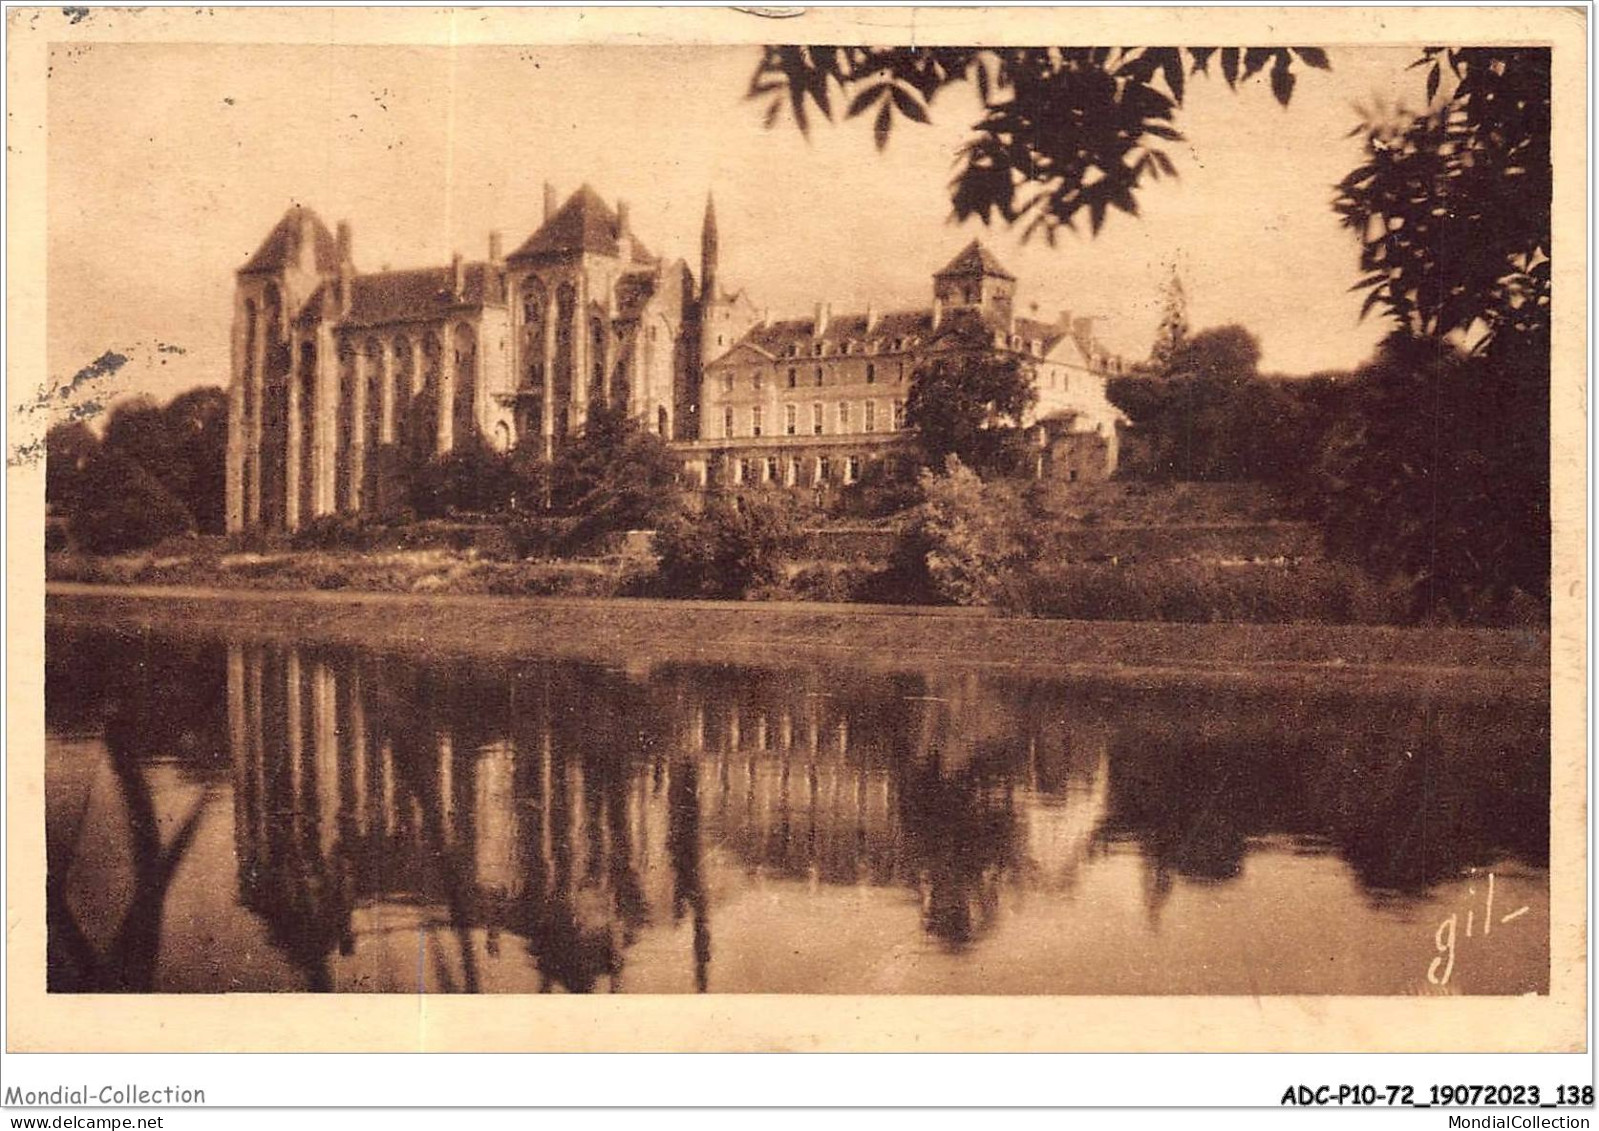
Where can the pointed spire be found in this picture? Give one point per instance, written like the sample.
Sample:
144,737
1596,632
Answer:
709,249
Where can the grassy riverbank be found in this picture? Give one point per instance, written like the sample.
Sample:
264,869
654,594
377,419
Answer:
1464,661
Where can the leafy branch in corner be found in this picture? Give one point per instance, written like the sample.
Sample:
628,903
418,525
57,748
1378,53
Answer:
1064,130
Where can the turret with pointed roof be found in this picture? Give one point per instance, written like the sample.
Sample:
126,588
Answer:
976,280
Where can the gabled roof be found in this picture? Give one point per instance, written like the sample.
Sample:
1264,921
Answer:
404,296
282,245
778,338
913,328
975,259
585,223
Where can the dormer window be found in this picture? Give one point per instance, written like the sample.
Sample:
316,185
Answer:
819,349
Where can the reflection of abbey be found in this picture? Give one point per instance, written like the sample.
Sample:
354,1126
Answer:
378,803
343,382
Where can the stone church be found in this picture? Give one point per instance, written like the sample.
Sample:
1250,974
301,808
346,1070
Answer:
343,382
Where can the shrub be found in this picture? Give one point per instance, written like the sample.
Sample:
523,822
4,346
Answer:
886,486
1316,592
333,531
726,550
831,582
962,540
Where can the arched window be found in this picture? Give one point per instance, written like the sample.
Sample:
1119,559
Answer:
534,329
597,343
252,335
463,342
565,304
502,436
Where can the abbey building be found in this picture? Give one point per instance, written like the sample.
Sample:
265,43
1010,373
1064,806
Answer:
345,382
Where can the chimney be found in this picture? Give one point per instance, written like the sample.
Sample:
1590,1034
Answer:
938,311
873,316
549,201
496,248
346,279
766,316
345,241
622,228
824,314
457,276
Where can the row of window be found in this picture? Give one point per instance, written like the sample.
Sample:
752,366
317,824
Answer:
818,377
852,347
796,471
844,417
900,345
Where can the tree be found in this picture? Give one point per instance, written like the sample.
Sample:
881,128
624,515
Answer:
1452,207
971,406
1441,472
123,507
1064,129
183,445
470,478
1224,354
727,549
616,476
963,540
197,427
68,448
1172,333
1207,414
1422,480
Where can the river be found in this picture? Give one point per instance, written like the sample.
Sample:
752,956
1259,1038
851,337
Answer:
230,814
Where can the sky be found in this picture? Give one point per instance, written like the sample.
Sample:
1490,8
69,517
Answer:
169,163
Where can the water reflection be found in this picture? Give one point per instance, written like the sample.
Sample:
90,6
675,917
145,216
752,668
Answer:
404,824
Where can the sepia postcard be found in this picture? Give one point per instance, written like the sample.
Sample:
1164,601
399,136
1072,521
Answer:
836,529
